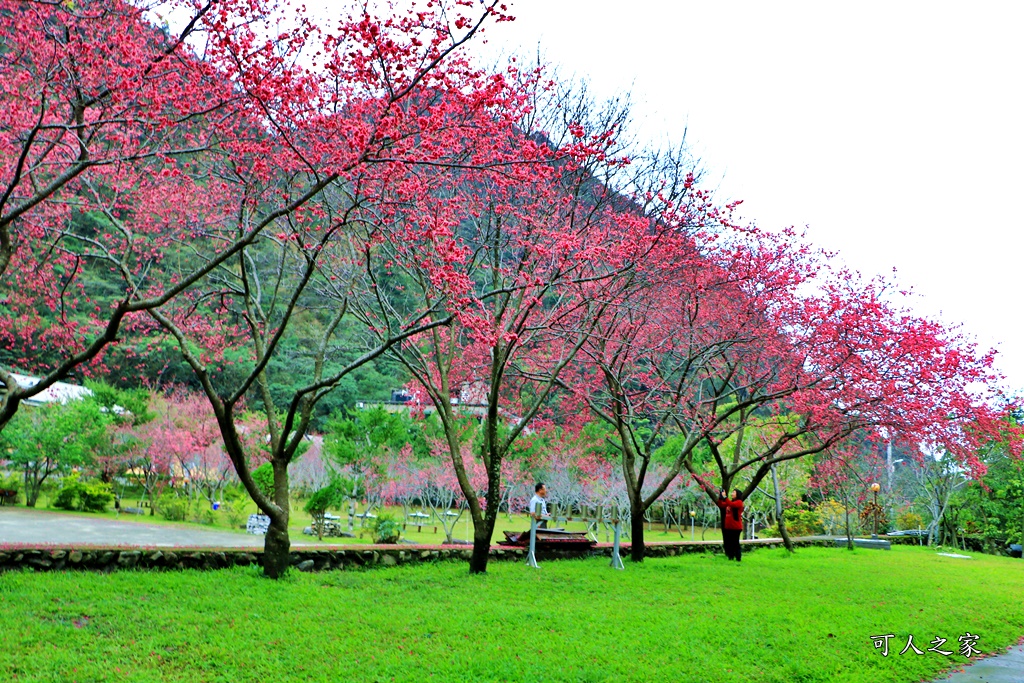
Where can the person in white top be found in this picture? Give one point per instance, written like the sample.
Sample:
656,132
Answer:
539,506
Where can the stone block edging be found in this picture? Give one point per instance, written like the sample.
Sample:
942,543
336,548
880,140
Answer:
108,559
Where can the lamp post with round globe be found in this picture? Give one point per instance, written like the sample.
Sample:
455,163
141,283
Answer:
874,489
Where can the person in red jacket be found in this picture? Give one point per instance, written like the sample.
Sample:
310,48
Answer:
733,526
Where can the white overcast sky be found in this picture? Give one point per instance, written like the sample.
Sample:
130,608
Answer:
893,130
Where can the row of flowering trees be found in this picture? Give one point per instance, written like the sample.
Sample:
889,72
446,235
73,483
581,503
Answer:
231,185
171,442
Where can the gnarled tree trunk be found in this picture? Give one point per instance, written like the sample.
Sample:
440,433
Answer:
780,514
482,534
276,548
636,530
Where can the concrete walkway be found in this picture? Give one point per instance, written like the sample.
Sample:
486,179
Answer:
21,525
1005,668
29,527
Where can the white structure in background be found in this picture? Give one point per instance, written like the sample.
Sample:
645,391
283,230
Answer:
58,392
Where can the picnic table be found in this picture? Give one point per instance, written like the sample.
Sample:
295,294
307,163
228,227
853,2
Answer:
364,517
417,519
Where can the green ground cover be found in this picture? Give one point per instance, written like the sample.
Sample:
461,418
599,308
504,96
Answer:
775,617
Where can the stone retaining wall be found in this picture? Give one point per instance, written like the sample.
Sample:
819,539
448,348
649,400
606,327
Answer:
304,559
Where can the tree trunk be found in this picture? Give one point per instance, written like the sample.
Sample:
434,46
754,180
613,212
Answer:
849,533
277,545
318,524
780,514
636,533
482,533
276,549
32,487
784,533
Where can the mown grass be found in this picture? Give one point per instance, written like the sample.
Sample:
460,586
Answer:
775,617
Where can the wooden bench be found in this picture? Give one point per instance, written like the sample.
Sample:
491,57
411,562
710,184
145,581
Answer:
876,543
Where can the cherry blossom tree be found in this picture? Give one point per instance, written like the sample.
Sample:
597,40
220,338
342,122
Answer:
723,343
382,99
537,240
149,455
310,472
107,205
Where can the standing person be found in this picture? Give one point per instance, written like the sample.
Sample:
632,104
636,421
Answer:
539,505
733,525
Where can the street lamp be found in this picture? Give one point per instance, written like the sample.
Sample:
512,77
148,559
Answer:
874,489
692,515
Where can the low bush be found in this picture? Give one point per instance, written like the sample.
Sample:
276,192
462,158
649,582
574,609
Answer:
202,513
88,496
386,529
11,482
234,512
263,477
172,508
872,514
800,521
908,519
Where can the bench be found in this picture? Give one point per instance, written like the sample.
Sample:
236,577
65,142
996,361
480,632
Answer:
8,497
876,543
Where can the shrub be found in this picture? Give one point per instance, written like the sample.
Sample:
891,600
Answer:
908,519
172,508
96,496
832,516
11,482
92,496
800,521
386,529
263,477
330,496
67,496
234,511
11,485
869,514
202,513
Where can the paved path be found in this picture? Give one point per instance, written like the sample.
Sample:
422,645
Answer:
19,525
1006,668
47,527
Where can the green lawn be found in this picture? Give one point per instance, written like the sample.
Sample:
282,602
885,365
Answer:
775,617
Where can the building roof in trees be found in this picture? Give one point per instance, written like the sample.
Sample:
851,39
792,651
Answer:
59,392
